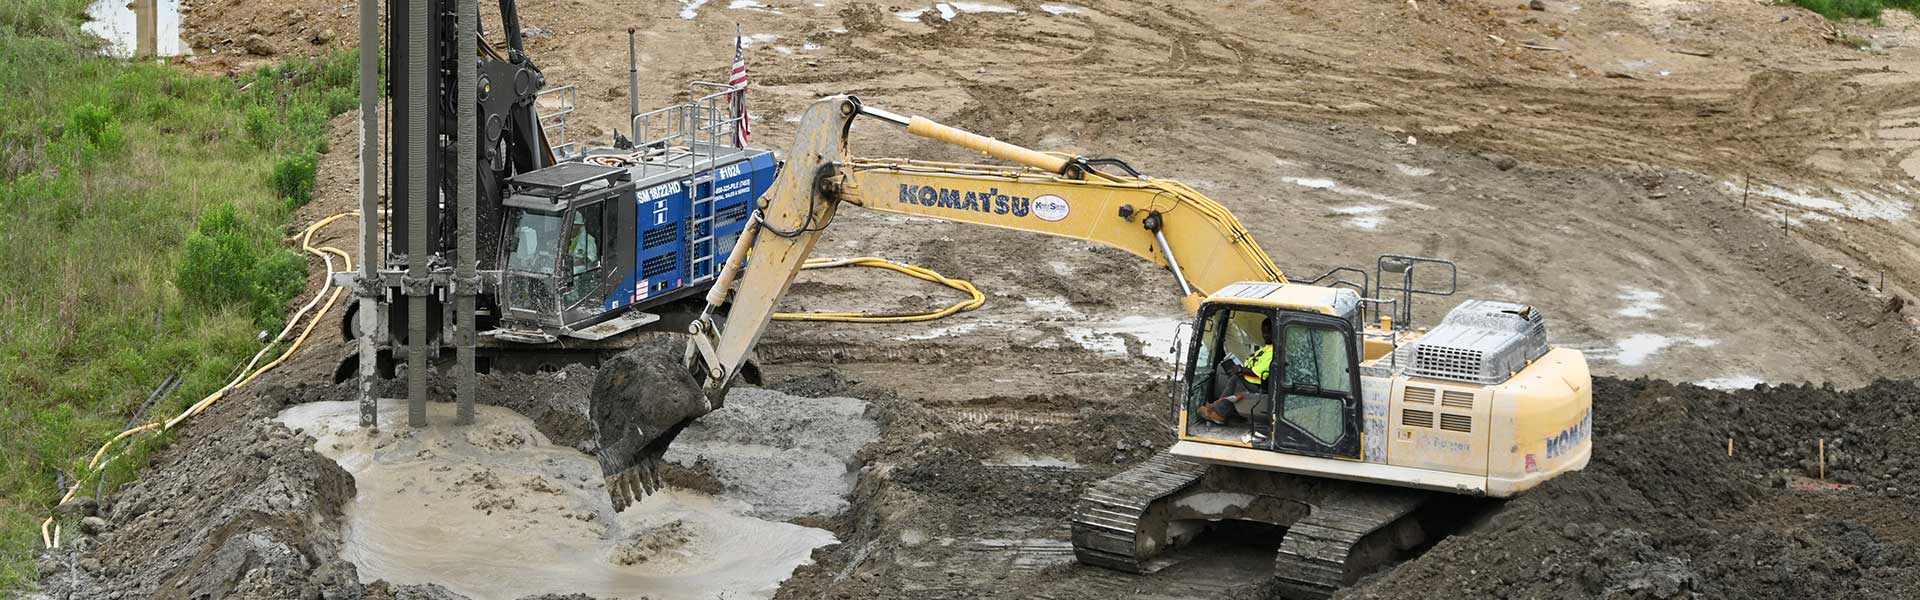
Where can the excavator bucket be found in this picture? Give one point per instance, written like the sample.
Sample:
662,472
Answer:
640,401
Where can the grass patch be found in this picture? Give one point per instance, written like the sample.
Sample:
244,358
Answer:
1857,9
143,214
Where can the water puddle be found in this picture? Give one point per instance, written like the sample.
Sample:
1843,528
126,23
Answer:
1329,185
137,28
1157,333
752,5
690,9
940,332
494,510
949,10
1053,305
1637,348
1732,382
1858,204
1061,9
1363,216
1640,303
1014,459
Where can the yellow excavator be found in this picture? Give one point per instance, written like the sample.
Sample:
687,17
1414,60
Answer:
1353,422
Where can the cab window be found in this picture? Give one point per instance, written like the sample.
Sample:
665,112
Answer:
584,235
534,238
1225,336
1317,377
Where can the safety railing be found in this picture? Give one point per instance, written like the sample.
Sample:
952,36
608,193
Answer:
688,137
554,105
1404,266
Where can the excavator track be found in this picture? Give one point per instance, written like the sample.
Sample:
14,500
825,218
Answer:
1337,530
1347,535
1110,520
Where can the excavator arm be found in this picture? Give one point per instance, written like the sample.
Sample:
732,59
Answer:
1162,221
1103,201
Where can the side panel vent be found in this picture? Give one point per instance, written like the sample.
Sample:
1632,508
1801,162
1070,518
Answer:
1460,423
1444,362
659,235
1416,418
658,265
1420,395
731,214
1456,399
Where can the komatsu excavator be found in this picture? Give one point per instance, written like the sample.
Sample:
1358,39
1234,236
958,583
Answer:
1363,420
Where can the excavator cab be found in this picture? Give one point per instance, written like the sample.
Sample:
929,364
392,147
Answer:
1305,399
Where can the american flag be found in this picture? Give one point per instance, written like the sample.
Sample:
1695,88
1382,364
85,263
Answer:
738,79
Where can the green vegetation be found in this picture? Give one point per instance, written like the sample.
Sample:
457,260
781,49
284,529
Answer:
143,214
1857,9
293,178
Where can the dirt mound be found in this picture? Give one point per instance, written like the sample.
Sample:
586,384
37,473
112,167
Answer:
238,507
1664,512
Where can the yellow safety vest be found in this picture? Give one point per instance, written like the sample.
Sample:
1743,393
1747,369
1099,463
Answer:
1261,363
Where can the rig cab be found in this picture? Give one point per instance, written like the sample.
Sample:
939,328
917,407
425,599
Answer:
560,252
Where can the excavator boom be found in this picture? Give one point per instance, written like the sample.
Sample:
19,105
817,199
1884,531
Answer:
1205,247
1162,221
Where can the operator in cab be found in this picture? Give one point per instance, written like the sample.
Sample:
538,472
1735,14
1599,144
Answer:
1242,386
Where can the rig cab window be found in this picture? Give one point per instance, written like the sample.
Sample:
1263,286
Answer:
533,242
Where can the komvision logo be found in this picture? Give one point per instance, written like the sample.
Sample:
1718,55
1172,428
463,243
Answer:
990,201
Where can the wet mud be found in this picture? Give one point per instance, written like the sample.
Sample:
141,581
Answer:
496,511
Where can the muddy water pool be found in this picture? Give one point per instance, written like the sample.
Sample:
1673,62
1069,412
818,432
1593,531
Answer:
493,510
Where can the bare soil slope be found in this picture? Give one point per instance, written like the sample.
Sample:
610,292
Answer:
1626,165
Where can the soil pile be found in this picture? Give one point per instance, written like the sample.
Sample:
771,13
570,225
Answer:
1663,512
239,507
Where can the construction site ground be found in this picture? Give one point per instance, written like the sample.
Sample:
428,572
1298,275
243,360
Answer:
1713,194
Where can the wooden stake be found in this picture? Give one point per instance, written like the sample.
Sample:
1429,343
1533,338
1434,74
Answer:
1823,459
1729,447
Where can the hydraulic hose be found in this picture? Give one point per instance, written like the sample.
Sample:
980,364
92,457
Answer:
50,531
975,298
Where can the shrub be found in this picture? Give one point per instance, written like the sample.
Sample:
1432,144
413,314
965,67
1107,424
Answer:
292,178
1856,9
260,127
94,124
214,254
228,261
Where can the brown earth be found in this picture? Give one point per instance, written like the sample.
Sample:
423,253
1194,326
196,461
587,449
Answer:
1601,179
1648,152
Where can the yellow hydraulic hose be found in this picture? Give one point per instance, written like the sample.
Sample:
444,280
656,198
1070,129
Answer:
975,299
50,532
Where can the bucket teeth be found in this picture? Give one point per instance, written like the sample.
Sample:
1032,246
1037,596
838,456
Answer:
617,491
646,477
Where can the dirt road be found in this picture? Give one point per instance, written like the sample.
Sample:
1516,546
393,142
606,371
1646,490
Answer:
1627,166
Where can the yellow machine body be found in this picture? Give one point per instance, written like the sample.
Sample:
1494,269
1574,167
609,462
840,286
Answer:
1433,434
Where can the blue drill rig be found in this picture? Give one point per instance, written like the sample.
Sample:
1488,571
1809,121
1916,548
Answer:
517,252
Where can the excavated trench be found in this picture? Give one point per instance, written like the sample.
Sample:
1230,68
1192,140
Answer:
273,496
281,494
